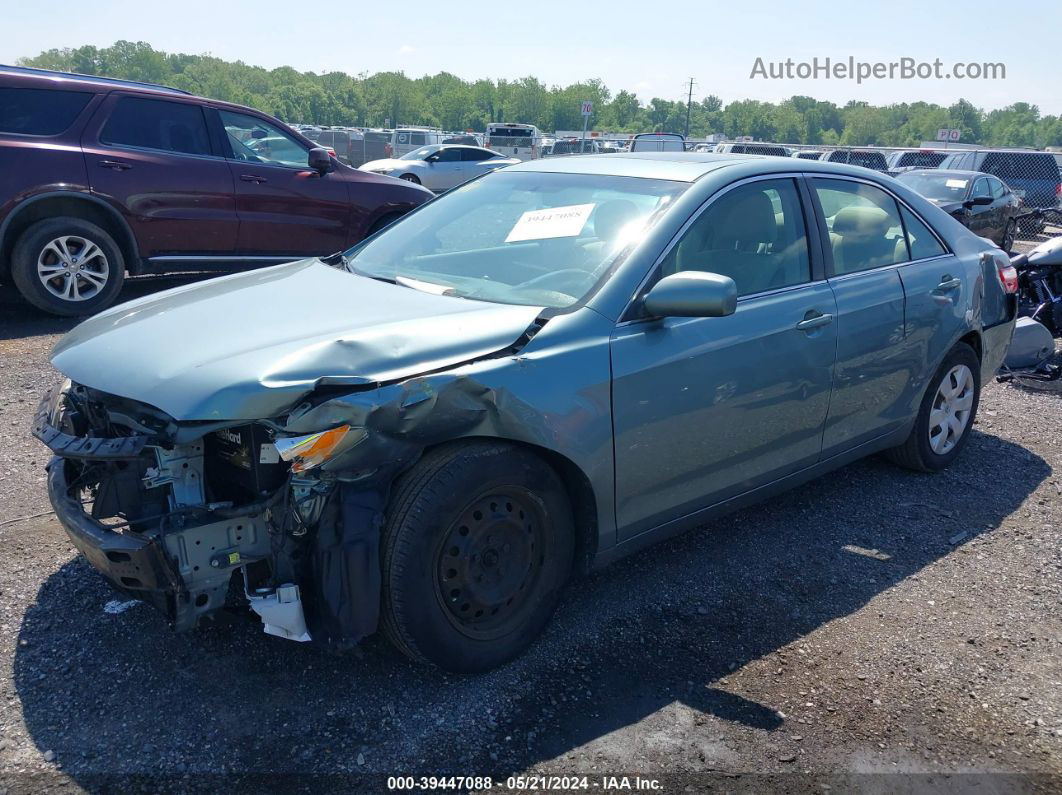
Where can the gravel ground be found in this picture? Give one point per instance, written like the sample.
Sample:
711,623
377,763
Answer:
873,622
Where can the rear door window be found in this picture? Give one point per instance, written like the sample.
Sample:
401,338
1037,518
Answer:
864,225
476,155
33,111
922,242
157,124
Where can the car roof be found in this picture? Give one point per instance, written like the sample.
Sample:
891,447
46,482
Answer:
62,80
947,172
681,166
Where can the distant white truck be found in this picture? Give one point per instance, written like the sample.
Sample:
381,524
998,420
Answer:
658,142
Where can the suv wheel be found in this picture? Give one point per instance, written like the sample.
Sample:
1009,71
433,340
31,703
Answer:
946,414
67,266
478,543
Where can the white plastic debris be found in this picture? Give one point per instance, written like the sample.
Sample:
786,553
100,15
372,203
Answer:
114,607
281,612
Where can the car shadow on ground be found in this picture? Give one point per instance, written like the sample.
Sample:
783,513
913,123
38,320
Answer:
20,319
113,693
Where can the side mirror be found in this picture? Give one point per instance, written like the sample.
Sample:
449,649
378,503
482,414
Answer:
978,201
320,161
692,294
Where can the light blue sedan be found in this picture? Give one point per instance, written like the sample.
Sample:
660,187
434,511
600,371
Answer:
543,370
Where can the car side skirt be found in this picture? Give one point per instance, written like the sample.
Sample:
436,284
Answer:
700,517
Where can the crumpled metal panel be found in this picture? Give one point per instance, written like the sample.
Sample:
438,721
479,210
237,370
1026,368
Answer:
554,394
248,346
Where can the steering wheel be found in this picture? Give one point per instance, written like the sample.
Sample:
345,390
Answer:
564,272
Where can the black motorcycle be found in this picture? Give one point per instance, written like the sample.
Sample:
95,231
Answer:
1040,279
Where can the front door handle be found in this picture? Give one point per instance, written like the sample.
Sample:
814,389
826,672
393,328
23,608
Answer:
815,321
948,283
115,165
257,180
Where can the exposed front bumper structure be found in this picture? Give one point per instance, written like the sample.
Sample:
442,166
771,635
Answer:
131,563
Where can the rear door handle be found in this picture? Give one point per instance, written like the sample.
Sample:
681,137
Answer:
116,165
252,178
949,284
815,321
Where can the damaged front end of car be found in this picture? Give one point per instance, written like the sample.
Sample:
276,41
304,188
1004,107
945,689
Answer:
193,518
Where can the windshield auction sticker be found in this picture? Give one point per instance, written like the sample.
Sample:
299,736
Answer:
553,222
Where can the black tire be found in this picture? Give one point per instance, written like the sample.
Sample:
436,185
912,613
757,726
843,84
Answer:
32,248
1010,231
461,501
916,452
383,222
411,178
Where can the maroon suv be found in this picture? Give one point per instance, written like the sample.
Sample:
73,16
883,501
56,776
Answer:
106,177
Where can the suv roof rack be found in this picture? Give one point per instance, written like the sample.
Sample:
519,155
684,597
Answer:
32,70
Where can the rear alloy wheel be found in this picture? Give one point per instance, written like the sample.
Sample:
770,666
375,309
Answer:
1009,233
478,543
67,266
946,414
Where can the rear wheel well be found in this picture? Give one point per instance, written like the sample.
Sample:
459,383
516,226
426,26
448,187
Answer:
72,206
973,339
579,490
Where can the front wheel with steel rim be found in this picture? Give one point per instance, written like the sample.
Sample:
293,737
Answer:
945,415
67,266
477,544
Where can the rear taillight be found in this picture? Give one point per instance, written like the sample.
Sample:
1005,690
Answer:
1008,277
388,150
331,151
1058,190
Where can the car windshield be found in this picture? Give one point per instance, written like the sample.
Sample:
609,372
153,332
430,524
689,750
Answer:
537,239
936,186
419,154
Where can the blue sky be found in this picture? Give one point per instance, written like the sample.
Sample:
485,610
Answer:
651,48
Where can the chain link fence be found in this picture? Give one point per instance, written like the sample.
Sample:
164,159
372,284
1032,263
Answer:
1032,179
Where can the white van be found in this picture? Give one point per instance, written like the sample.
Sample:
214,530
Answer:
405,139
514,140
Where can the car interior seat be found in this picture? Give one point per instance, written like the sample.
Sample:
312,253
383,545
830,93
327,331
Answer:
860,239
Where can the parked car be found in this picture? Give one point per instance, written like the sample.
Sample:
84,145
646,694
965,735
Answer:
104,177
752,149
1033,176
464,140
897,162
430,433
980,202
575,146
656,142
866,158
405,139
442,166
807,154
348,144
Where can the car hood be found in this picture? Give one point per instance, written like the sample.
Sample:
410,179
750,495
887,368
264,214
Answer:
248,346
390,162
947,206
